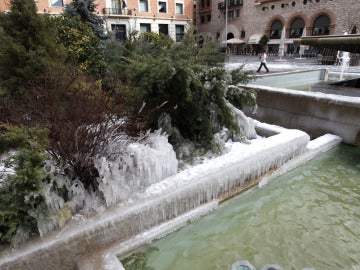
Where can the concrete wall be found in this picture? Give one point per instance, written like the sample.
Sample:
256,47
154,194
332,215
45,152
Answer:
315,113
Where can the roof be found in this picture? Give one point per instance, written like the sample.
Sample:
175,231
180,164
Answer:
234,41
348,43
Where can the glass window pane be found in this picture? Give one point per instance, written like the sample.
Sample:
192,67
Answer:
179,32
144,6
179,8
56,3
119,31
162,7
163,29
145,27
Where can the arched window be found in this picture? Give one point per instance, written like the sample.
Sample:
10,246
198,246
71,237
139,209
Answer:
321,26
297,28
230,36
275,30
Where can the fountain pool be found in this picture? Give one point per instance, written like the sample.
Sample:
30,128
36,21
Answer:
324,109
304,80
306,218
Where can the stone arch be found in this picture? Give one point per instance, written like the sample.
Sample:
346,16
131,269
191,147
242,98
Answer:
293,18
234,30
322,12
271,22
229,35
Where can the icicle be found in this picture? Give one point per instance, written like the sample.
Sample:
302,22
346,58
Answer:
139,166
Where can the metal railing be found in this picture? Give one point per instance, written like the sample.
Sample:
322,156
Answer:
117,11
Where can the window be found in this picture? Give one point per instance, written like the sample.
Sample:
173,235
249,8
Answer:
297,28
231,14
56,3
276,29
119,31
145,27
180,29
162,7
163,29
144,6
208,16
115,7
237,12
321,26
179,8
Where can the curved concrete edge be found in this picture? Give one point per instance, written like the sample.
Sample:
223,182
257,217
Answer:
315,147
107,259
332,98
162,202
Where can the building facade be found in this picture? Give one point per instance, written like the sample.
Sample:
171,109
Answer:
286,20
123,17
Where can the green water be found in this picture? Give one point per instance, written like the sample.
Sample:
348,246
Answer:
309,217
333,77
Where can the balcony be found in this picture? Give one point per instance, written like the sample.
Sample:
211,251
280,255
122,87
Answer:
117,11
232,3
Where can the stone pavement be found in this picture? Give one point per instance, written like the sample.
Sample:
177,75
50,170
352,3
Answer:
275,64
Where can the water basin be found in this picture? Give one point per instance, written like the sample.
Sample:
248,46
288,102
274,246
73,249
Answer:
305,79
307,218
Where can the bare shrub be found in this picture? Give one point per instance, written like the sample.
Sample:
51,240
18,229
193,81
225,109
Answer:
79,115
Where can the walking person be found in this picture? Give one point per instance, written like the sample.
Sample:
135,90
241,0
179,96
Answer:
263,57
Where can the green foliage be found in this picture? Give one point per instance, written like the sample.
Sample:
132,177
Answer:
20,194
86,9
157,40
9,222
15,137
263,41
239,96
187,80
28,46
84,48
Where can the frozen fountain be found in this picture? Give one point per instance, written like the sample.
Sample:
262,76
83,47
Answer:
302,47
157,206
282,46
345,59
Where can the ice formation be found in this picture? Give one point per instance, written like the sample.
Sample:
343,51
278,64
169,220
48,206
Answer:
246,124
345,60
139,166
163,201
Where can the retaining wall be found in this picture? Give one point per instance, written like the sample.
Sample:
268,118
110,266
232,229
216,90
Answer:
313,112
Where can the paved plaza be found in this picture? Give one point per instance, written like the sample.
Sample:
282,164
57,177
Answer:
275,64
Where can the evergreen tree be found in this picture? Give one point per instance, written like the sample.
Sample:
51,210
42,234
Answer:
84,48
28,45
86,10
185,80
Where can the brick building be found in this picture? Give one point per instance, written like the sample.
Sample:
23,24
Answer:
249,20
171,17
